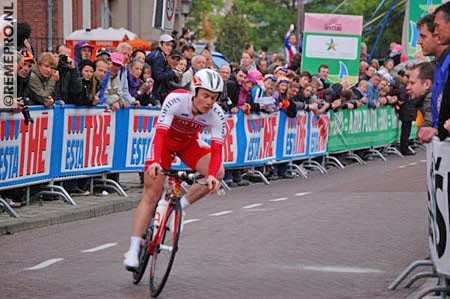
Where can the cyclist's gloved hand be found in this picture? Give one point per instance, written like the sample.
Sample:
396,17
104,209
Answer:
154,169
213,184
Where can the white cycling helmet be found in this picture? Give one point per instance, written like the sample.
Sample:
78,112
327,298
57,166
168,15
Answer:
207,79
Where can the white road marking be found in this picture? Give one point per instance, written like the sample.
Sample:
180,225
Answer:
337,269
423,161
221,213
101,247
403,166
252,206
413,163
302,193
279,199
45,264
256,210
191,220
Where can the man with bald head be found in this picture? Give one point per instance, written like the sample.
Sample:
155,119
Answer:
198,63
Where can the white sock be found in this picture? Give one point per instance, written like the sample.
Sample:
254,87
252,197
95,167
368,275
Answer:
184,203
135,244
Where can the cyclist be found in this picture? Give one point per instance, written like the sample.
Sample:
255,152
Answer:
183,116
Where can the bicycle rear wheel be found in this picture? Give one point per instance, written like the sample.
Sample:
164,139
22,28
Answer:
165,249
144,255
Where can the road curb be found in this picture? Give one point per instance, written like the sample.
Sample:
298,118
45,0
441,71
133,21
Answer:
91,209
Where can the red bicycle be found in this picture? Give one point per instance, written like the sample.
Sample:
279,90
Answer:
161,242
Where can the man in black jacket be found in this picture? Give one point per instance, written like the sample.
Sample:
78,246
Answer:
68,87
161,71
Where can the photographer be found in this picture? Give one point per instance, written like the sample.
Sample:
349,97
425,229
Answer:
69,85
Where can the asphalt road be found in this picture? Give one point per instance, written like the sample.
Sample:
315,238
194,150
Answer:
346,234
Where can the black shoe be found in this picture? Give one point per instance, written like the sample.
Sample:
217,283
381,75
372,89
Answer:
233,185
49,197
408,153
287,176
242,183
273,177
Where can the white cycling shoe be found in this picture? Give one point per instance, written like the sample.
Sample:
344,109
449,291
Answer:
131,261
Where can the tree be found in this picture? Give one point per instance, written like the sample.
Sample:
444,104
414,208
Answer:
232,35
205,17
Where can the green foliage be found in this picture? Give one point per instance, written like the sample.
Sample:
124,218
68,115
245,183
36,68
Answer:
269,21
205,13
232,35
265,22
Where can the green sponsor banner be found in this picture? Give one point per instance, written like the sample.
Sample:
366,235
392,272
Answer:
418,9
362,128
333,40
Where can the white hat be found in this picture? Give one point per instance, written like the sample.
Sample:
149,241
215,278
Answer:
165,38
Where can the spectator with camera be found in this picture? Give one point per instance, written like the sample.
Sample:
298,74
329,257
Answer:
134,82
42,82
145,91
68,87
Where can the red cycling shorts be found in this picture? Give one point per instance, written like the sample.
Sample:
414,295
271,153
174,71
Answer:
190,152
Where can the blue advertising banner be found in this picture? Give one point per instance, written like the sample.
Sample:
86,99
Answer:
26,150
292,141
87,140
71,141
318,134
260,137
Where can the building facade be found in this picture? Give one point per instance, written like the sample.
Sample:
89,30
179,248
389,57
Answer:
53,20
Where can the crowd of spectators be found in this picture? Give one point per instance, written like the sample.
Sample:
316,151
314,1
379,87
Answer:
260,83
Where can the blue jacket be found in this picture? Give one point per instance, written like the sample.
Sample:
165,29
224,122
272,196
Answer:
441,71
161,72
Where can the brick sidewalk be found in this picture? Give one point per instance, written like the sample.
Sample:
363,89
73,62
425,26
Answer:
43,213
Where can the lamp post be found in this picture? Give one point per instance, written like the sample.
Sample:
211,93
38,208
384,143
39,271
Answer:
300,16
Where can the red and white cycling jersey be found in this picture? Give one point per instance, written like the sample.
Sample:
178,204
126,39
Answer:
178,127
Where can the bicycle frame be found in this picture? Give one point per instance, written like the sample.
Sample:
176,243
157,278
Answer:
173,192
161,241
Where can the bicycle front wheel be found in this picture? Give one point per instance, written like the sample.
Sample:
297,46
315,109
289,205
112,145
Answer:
144,255
165,249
